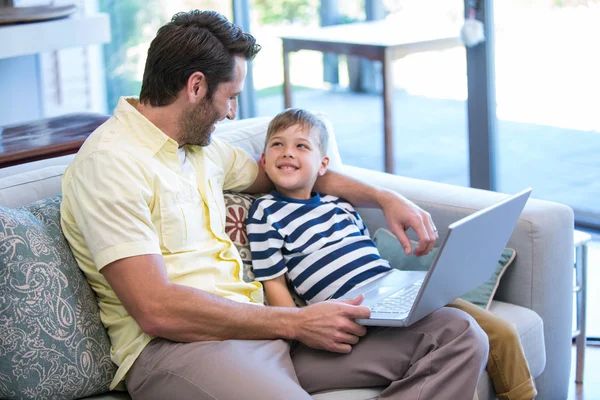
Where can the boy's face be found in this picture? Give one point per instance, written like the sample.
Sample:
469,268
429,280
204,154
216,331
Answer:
293,161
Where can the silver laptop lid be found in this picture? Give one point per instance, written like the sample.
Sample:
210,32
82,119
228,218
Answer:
475,243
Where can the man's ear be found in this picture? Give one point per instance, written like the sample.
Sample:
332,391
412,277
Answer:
324,164
196,87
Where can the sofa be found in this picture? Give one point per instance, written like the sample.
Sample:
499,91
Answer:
535,293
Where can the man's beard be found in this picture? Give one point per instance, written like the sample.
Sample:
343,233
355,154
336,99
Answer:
197,122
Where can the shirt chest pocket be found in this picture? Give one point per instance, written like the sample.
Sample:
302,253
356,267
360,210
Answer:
216,193
183,220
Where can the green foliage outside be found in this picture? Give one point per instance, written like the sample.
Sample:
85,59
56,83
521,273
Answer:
277,11
131,21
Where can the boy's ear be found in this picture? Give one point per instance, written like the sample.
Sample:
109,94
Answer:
324,164
262,160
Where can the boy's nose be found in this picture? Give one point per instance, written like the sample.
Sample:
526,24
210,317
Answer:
288,152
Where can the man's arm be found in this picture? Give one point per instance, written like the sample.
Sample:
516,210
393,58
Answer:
400,213
185,314
278,293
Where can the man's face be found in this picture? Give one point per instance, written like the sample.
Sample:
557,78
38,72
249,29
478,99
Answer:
293,161
198,121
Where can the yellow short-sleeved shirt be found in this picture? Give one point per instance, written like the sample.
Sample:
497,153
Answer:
125,194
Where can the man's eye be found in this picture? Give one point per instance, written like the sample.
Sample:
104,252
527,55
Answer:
233,98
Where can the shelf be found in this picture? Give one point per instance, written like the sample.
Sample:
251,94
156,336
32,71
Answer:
38,37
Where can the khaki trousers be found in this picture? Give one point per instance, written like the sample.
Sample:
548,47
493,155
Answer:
439,357
507,366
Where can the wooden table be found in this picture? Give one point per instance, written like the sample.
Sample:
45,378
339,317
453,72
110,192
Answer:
46,138
378,41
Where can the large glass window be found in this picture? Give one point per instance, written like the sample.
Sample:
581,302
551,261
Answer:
430,139
133,26
547,86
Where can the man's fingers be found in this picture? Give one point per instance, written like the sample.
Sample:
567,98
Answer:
342,348
347,338
418,225
433,233
357,330
355,301
356,311
430,235
404,240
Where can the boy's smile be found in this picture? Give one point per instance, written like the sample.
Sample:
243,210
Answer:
293,161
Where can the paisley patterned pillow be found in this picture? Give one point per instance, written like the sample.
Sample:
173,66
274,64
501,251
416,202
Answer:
237,206
52,342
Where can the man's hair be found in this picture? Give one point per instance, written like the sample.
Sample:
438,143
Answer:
203,41
306,120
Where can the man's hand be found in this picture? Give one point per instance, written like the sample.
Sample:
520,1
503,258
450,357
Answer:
331,325
402,214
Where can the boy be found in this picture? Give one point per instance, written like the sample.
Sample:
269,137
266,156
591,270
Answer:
322,247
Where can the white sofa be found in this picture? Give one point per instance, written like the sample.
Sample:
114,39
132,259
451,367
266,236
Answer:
535,293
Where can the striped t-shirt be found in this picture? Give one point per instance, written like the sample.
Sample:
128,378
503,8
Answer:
322,244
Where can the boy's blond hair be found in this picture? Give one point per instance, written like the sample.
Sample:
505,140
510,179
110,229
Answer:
306,120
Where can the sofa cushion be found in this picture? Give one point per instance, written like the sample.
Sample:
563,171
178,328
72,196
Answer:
531,332
53,343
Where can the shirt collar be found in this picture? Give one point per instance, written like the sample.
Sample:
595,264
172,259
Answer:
315,198
145,131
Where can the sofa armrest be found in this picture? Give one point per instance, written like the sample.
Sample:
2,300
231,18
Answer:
541,278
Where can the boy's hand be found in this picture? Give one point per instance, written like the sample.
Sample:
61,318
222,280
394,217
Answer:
331,325
402,214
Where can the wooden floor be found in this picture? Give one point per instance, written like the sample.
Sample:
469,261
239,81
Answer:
590,388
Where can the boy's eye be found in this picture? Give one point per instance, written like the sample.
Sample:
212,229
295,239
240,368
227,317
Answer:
302,146
273,144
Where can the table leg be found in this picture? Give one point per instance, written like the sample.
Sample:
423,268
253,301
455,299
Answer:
388,98
287,86
581,340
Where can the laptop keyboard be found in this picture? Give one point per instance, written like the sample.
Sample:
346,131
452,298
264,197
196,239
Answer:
399,302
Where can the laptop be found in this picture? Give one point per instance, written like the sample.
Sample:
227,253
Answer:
467,258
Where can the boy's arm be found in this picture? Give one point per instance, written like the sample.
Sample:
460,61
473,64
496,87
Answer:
277,292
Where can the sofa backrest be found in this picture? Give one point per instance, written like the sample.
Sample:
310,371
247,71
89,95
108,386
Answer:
27,187
34,165
26,183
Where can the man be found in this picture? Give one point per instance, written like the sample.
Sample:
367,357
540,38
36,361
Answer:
144,215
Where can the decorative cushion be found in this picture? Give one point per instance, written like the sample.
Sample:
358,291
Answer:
236,207
390,249
52,342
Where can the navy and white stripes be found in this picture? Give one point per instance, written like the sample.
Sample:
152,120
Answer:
322,243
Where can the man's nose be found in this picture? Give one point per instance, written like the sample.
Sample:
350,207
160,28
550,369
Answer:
232,110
